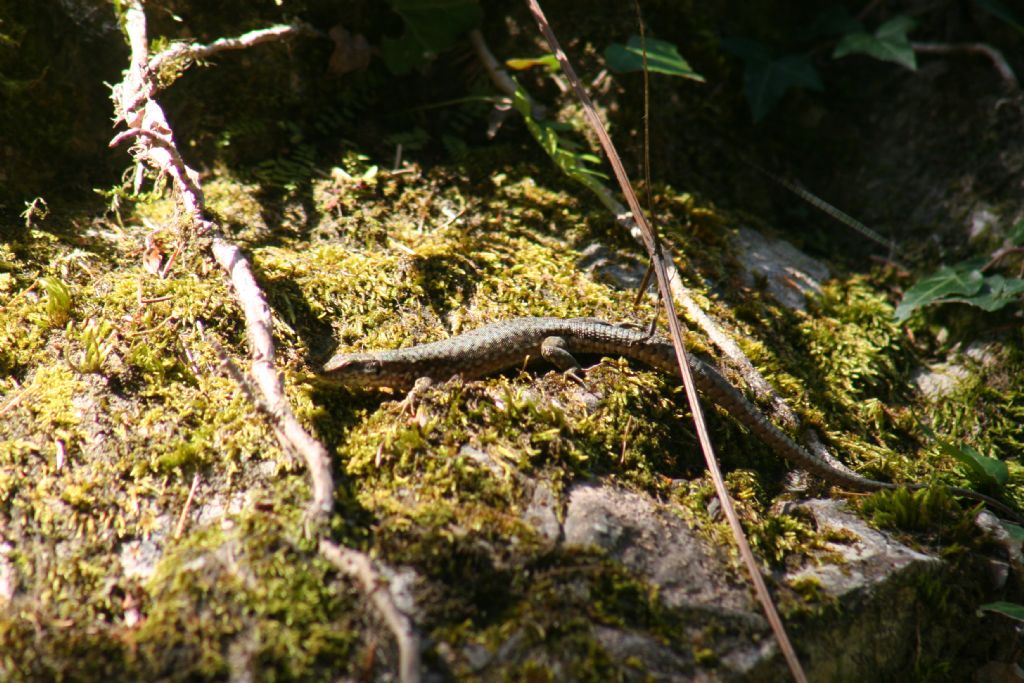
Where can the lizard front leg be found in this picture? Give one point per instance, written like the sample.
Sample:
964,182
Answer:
556,351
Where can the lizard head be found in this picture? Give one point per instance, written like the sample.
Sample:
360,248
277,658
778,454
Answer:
359,370
352,370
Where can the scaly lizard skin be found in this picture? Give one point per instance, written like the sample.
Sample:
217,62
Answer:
513,343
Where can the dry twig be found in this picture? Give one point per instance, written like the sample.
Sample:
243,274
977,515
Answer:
191,52
658,261
188,504
990,53
154,144
738,360
359,567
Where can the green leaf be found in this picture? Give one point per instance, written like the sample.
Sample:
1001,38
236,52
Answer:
1016,235
431,26
991,473
997,292
765,78
945,282
888,44
1000,11
548,61
437,23
402,55
561,151
1008,609
662,57
834,20
764,83
748,50
962,283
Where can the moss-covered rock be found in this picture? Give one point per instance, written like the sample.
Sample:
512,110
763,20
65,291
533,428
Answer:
151,527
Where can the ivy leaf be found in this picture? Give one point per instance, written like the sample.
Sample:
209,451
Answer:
1000,11
997,292
991,473
402,55
748,50
431,26
662,57
945,282
1016,235
436,24
767,79
1008,609
834,20
888,44
765,84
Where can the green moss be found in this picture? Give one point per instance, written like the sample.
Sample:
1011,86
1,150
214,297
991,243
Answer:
360,258
253,595
235,203
774,536
546,623
808,598
91,460
120,446
911,510
853,340
983,406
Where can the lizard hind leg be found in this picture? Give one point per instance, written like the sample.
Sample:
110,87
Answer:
408,404
556,351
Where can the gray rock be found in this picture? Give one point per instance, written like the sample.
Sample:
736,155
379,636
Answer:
938,380
614,269
790,274
139,557
661,663
656,544
980,222
869,585
8,575
869,557
542,512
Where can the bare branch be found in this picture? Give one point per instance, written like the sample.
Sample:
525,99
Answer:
176,166
191,52
155,145
730,349
992,54
358,566
497,73
188,504
658,260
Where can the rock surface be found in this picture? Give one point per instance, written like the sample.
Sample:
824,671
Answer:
865,581
790,274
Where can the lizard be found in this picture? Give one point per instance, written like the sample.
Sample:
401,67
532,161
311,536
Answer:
514,343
